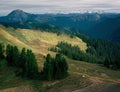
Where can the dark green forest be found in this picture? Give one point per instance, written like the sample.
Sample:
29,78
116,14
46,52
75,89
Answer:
99,52
25,63
106,50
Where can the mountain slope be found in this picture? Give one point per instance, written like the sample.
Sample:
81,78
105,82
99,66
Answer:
83,75
36,40
5,37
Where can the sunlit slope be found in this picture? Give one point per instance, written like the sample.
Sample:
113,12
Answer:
43,40
7,38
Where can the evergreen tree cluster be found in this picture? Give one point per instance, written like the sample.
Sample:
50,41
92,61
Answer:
24,61
12,55
37,26
100,52
112,64
55,68
25,64
28,64
75,53
107,51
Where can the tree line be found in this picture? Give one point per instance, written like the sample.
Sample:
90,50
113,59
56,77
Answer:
100,52
25,63
107,51
74,52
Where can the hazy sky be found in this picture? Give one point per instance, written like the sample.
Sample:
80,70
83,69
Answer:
59,6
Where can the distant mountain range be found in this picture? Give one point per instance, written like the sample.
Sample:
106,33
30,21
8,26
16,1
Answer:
102,26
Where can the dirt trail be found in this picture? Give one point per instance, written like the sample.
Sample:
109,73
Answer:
100,86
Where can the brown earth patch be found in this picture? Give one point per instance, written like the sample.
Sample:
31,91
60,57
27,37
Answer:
26,88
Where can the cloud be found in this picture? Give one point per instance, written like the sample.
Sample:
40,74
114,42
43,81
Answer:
54,6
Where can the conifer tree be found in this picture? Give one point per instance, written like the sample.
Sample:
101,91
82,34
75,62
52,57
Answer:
9,54
3,62
28,63
55,68
47,70
2,51
107,63
61,67
22,62
15,56
31,64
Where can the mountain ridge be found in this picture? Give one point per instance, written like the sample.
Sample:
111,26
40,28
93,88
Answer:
76,16
92,24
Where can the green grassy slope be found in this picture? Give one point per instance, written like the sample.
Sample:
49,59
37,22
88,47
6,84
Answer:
93,70
37,40
7,38
82,74
45,40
